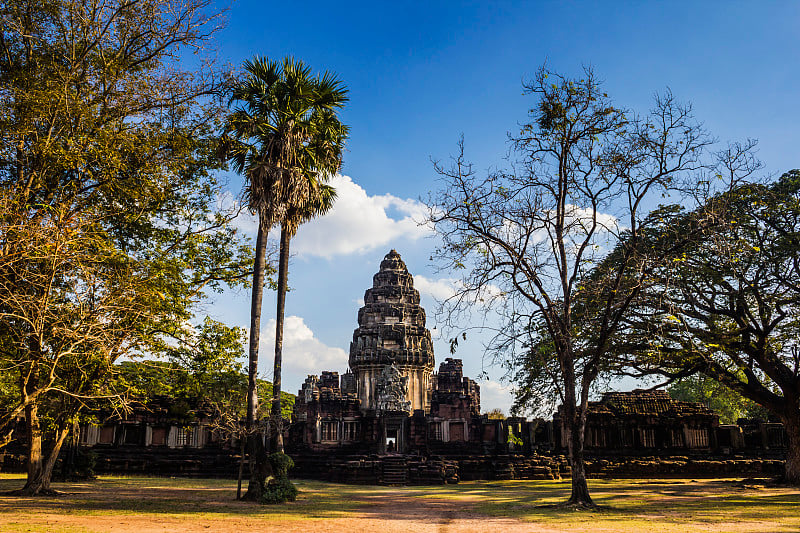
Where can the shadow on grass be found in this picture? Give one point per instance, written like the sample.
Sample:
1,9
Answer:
178,497
668,501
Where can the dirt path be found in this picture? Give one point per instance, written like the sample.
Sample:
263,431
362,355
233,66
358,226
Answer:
397,511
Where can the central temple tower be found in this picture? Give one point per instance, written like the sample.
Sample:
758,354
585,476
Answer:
391,331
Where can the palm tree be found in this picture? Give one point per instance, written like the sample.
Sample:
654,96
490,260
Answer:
285,138
319,203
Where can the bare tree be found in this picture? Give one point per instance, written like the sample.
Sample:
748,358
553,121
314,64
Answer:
526,239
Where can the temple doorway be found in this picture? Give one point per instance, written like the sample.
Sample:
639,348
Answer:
391,440
393,434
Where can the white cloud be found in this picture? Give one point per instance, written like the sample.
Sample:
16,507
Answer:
579,217
495,395
303,353
442,289
439,289
359,222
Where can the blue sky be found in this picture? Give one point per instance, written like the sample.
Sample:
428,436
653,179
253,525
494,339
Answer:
421,74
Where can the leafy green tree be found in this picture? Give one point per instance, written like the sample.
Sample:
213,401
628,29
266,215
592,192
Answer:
110,231
287,141
203,373
203,370
730,405
525,239
495,414
213,380
727,305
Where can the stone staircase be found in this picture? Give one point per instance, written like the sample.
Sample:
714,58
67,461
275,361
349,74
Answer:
394,470
503,467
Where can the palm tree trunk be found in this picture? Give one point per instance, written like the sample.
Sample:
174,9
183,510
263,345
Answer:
255,444
242,453
283,274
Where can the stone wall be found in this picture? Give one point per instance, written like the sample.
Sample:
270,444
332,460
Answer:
437,470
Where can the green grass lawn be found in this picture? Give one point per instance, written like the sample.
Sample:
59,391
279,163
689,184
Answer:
140,504
645,505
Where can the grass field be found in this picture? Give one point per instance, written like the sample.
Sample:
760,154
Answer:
143,505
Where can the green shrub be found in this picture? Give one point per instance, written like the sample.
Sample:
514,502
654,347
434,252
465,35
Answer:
281,464
279,489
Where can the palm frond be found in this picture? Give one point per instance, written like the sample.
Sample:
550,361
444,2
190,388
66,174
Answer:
285,138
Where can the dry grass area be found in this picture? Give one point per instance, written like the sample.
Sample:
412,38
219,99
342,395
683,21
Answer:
144,505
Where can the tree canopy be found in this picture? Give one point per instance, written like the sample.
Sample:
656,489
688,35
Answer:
729,405
727,304
111,227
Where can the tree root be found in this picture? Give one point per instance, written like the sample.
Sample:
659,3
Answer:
574,506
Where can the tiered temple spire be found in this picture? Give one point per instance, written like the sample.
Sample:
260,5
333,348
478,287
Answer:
391,330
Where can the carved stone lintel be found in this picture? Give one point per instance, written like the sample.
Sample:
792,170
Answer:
391,390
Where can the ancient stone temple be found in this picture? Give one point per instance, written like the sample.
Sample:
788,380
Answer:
391,331
639,422
390,399
391,419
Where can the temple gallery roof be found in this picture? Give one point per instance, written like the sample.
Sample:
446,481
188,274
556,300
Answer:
646,403
391,325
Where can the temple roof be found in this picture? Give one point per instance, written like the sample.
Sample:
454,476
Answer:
646,403
391,324
393,261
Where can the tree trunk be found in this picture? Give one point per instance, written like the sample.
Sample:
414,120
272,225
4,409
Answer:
255,446
580,490
573,427
50,463
791,424
283,274
35,459
39,478
242,451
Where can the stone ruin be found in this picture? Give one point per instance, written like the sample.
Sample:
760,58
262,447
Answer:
389,399
390,419
627,422
392,390
391,331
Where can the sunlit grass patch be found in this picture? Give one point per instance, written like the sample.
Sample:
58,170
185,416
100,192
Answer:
639,505
181,498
